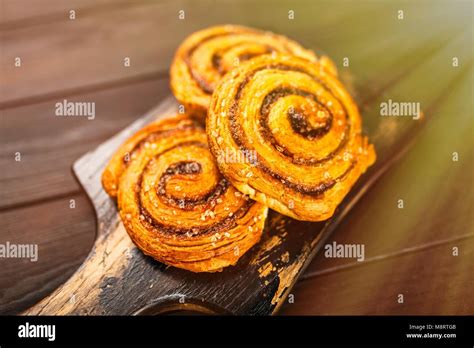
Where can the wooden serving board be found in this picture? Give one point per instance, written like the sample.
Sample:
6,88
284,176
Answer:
117,279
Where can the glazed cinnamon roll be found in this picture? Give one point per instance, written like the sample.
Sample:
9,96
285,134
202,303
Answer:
207,55
299,126
174,203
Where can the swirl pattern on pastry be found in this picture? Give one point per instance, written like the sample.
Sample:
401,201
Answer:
175,204
207,55
302,128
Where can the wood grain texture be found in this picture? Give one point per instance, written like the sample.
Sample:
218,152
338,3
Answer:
373,288
64,237
82,45
31,12
46,160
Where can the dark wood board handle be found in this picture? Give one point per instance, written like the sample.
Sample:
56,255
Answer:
117,279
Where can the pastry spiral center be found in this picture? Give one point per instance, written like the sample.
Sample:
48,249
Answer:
177,183
306,115
184,181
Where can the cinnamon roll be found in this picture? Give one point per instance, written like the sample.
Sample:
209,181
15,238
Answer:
300,127
207,55
174,203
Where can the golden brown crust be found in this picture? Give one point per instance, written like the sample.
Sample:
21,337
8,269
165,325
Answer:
207,55
300,126
175,204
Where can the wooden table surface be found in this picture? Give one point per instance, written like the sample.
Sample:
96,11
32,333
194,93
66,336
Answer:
408,251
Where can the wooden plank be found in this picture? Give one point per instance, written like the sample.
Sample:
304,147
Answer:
79,55
49,144
447,217
64,237
17,13
432,282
